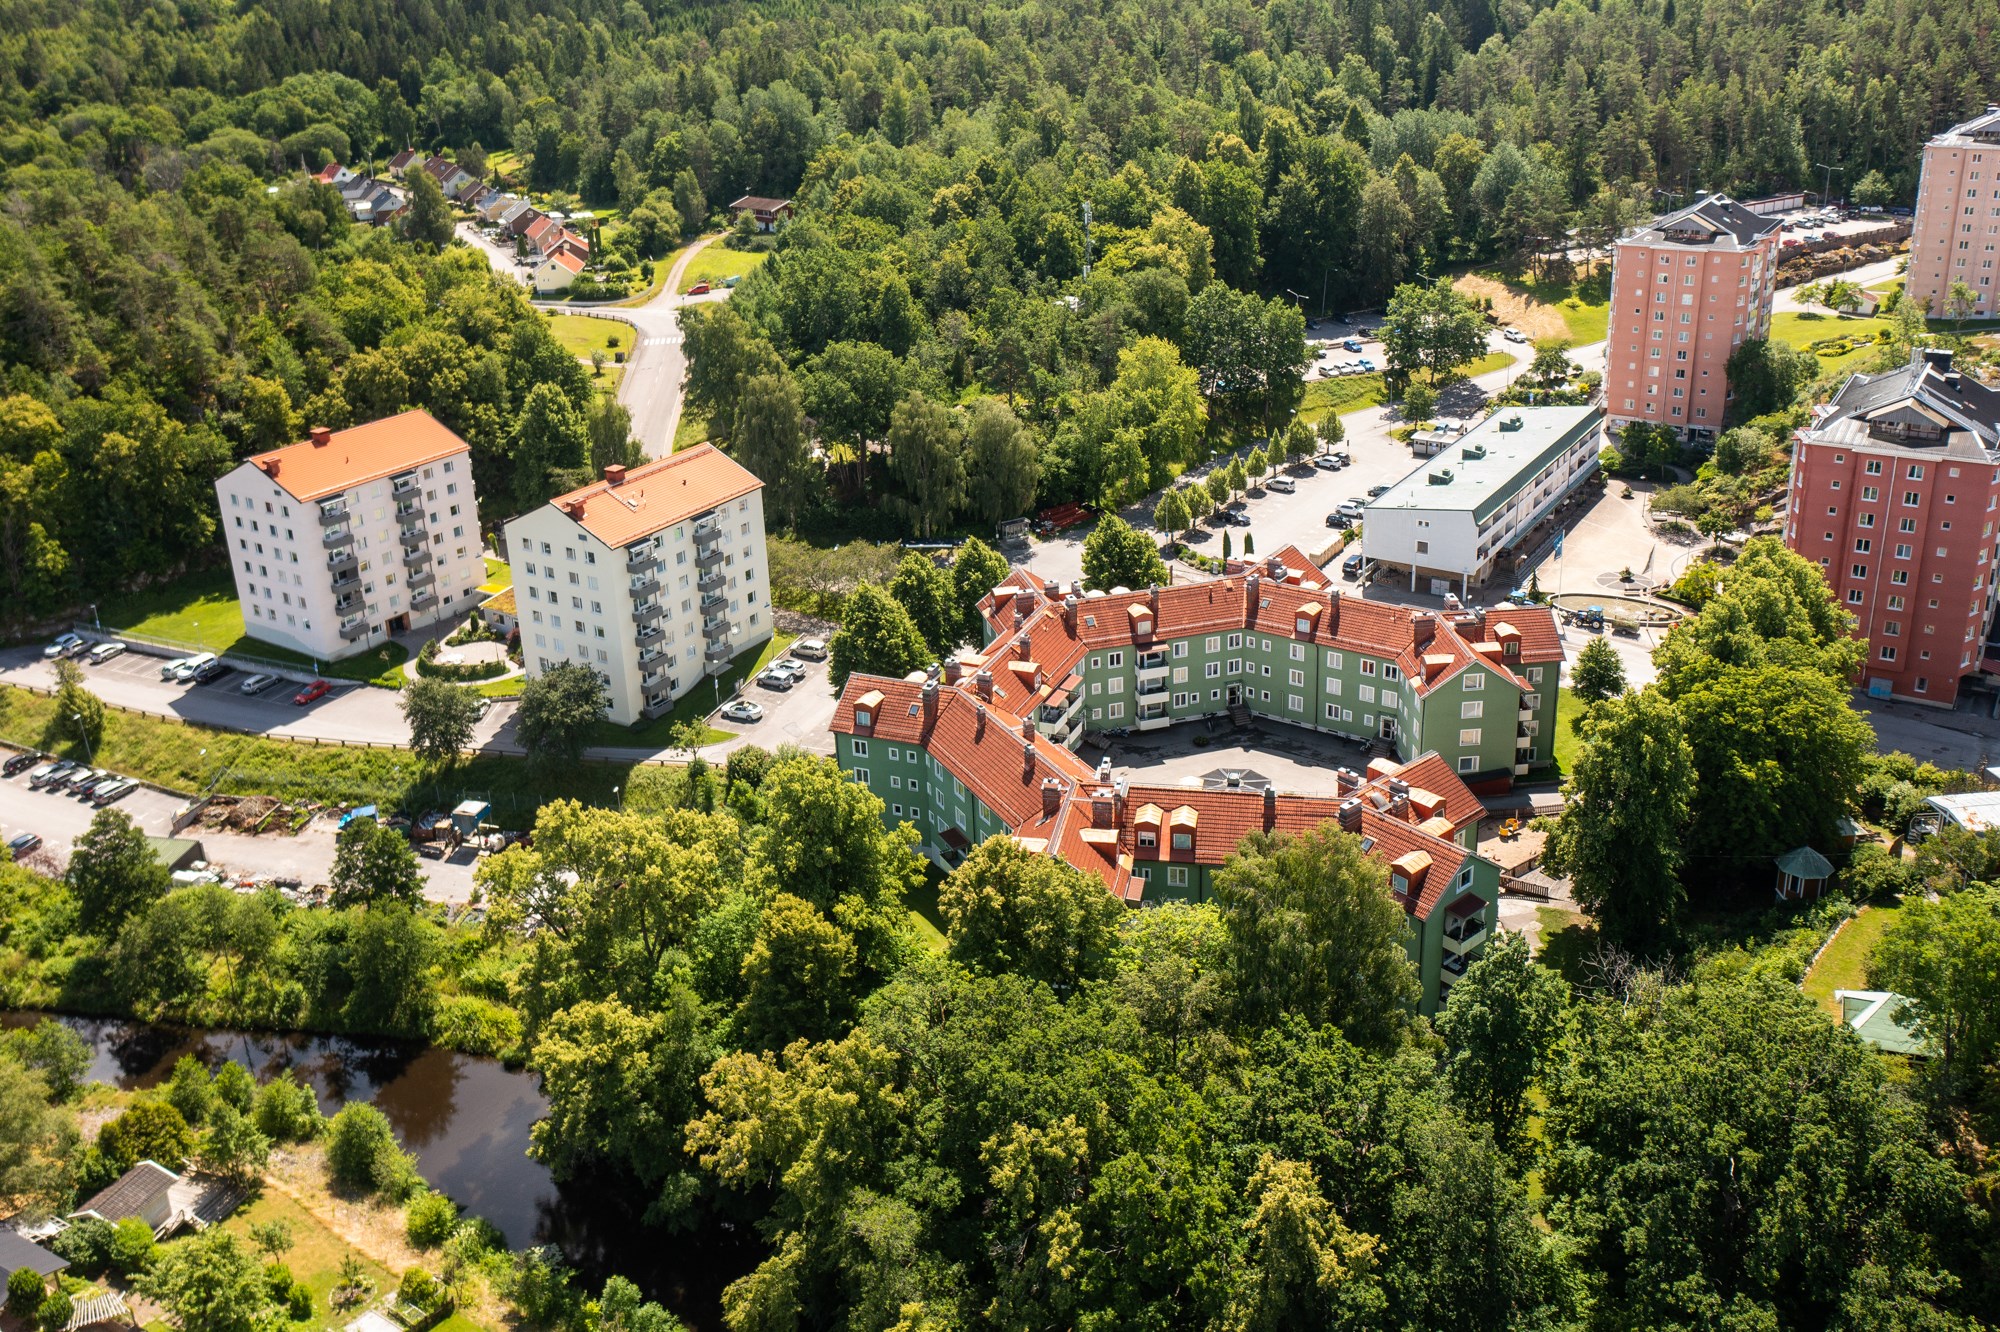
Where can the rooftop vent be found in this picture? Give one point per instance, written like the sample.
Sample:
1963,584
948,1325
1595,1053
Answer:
1511,423
1475,451
1443,477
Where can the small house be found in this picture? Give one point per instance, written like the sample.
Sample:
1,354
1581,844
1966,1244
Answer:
142,1191
402,162
556,273
18,1253
770,214
1802,874
1883,1019
499,612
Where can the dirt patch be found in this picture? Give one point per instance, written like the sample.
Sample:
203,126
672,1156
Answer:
1516,307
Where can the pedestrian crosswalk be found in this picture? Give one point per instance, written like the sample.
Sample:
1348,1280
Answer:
661,340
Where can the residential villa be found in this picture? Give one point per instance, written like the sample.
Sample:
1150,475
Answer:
769,214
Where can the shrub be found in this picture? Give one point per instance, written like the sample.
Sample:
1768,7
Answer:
286,1110
86,1244
362,1154
430,1220
476,1026
299,1302
420,1289
54,1312
131,1247
24,1289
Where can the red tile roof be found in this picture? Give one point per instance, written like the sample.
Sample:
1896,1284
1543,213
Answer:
658,494
358,455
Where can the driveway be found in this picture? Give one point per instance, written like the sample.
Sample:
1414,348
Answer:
1785,300
799,716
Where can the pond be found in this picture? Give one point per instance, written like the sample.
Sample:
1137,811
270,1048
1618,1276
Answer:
466,1120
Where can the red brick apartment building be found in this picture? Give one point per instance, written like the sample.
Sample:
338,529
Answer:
1895,491
1686,290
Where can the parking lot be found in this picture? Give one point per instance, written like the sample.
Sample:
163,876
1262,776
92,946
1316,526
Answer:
797,716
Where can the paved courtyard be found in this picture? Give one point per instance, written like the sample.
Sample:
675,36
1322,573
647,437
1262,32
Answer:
1290,758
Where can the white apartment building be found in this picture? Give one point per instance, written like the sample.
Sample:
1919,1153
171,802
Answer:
1466,513
354,535
656,577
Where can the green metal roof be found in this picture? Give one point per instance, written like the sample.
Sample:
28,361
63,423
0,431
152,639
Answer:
1802,862
1492,462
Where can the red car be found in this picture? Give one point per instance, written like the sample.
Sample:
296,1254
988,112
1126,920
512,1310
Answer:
698,289
316,690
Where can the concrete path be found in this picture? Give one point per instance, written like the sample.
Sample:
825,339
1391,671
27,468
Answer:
1785,300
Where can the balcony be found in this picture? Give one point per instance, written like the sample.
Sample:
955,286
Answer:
1451,970
423,600
1523,741
718,653
328,516
343,563
350,632
416,559
409,509
645,587
412,537
706,524
404,485
347,606
340,536
1471,934
647,613
422,578
709,558
715,627
642,559
346,580
713,602
658,707
1520,770
647,634
1154,719
1155,687
712,581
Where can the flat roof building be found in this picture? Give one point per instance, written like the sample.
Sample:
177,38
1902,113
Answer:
657,577
354,535
1465,514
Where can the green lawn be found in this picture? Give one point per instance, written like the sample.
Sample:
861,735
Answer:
1568,942
1566,741
1585,306
200,610
690,431
716,264
171,755
1488,363
924,914
696,704
1349,393
316,1252
581,335
1802,329
1844,964
498,576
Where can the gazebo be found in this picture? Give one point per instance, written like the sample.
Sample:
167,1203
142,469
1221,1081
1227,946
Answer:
1802,873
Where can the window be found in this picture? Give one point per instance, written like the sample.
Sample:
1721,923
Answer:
860,747
1148,841
1177,876
1912,498
1469,736
1471,709
861,775
1470,763
1474,681
1181,841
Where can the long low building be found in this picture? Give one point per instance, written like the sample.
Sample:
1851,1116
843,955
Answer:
960,765
1460,519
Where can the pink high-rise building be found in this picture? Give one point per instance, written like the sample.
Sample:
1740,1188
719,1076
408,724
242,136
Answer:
1686,291
1895,494
1958,217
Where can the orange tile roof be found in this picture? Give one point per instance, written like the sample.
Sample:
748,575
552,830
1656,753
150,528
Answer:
358,455
567,259
658,495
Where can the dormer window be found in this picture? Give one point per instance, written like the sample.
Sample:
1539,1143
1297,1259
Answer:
864,720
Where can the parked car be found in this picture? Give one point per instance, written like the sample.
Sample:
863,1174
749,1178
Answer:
786,666
1351,567
55,774
1364,366
104,652
257,683
21,844
313,692
116,789
187,667
731,282
66,645
212,669
43,772
778,680
1284,485
27,758
698,289
1350,509
1513,335
1339,520
1374,491
1327,462
812,649
72,779
742,710
1351,344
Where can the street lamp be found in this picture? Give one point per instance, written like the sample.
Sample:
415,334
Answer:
94,621
84,733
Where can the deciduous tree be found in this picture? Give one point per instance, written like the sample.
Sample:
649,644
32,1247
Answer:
1002,462
558,709
1009,909
976,572
441,716
1117,555
1945,956
1499,1025
876,637
373,863
114,873
926,463
926,592
1430,327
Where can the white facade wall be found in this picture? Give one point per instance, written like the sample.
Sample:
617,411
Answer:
299,593
576,600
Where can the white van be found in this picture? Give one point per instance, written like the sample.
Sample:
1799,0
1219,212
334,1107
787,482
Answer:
1284,485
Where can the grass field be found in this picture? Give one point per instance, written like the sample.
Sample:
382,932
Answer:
582,334
170,754
924,914
1349,393
1568,705
696,704
316,1253
716,264
1580,311
201,610
1844,964
498,576
691,430
1802,329
1568,941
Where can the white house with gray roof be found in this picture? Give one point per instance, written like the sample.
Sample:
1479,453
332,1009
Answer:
1461,518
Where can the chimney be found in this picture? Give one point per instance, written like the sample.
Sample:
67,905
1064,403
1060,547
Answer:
1104,769
1270,808
979,721
1102,813
1250,590
574,509
1399,805
1423,628
1350,815
1027,756
1020,613
1277,567
321,436
1069,613
930,701
983,682
953,669
1153,599
1051,796
1021,646
614,474
1346,781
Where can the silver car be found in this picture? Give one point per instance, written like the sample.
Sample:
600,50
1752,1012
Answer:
257,684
